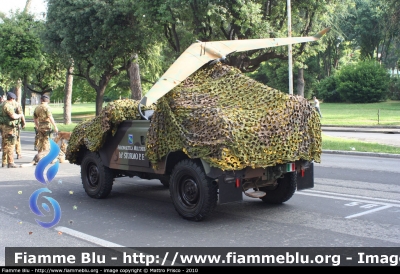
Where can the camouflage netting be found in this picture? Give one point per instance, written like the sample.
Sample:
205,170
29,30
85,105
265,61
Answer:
92,133
224,117
233,121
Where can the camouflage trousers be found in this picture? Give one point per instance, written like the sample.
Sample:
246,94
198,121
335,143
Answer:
9,138
18,142
43,137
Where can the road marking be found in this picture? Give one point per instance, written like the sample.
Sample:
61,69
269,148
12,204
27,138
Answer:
348,197
87,237
5,210
105,243
368,211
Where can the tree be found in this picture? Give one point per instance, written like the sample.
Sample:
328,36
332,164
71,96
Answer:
100,36
20,49
364,82
184,22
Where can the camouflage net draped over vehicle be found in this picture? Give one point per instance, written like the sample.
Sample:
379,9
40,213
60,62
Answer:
92,133
232,121
220,115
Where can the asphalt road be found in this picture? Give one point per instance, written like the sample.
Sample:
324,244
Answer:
355,203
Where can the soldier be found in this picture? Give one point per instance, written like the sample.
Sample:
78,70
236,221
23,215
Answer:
43,121
20,124
1,106
36,139
9,120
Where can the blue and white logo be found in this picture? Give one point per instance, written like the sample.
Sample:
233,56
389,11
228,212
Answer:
51,173
130,139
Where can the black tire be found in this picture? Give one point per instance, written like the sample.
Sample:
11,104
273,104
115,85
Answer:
283,191
193,194
97,179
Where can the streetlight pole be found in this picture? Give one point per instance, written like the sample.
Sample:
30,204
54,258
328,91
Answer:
290,47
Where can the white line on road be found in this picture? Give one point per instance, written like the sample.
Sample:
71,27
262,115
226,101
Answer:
350,197
5,210
347,197
368,211
87,237
105,243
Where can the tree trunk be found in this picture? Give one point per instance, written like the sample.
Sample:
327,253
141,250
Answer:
23,99
99,98
27,6
134,78
100,88
300,82
68,95
18,91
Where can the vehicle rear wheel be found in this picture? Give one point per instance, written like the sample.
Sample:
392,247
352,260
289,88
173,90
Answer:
193,194
97,179
283,191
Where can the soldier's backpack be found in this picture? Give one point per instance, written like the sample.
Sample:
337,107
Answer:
3,119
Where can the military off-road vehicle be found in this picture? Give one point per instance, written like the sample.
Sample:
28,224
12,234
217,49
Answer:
206,131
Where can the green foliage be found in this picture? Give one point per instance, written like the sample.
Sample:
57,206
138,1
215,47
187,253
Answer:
20,46
394,88
327,90
181,23
273,74
370,20
22,56
100,37
364,82
81,92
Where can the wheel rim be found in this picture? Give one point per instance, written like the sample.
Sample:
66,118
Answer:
93,175
189,192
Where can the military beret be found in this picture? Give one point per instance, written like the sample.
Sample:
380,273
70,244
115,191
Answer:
11,95
45,97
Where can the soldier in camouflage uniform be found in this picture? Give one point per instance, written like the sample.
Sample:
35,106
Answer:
36,139
1,126
9,120
43,121
21,124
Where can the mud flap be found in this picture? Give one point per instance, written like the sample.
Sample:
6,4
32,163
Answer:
228,192
305,179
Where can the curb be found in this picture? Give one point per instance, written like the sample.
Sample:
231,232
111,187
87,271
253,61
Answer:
358,153
350,126
364,130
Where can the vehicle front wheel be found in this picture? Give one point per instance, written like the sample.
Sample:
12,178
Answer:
283,191
97,179
193,194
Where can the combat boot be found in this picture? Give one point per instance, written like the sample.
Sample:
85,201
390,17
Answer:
12,165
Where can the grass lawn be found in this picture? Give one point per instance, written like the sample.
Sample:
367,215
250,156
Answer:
342,114
335,143
338,114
